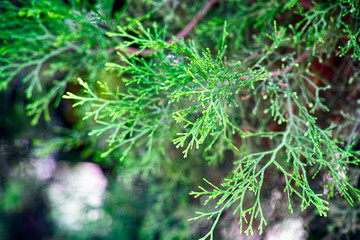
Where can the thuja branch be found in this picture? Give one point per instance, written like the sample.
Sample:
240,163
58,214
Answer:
303,145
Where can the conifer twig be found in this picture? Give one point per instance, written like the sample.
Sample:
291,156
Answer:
278,72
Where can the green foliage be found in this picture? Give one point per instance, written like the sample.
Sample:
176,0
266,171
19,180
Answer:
298,142
248,83
49,48
352,44
194,89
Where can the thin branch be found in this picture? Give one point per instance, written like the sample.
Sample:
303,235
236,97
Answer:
300,59
183,33
278,72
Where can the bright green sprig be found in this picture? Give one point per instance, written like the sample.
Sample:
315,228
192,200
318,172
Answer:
209,89
352,43
196,88
127,118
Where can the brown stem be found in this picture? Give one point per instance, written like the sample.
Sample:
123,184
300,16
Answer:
307,4
183,33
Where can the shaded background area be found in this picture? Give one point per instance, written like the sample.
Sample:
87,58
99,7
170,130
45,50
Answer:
62,195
